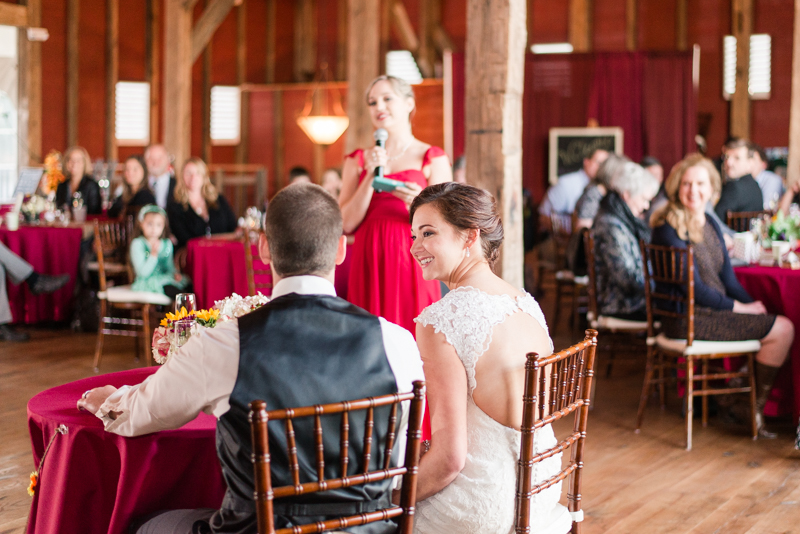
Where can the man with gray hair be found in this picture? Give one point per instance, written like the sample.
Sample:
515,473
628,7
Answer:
159,177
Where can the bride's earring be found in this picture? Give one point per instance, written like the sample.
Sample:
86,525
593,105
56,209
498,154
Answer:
468,253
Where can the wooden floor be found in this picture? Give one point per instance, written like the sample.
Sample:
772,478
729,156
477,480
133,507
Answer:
642,483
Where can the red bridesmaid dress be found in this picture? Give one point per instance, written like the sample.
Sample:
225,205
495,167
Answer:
385,279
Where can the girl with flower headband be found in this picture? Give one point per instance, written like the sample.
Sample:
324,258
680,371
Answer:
151,255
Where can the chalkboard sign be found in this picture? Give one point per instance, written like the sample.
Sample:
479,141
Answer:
29,178
569,146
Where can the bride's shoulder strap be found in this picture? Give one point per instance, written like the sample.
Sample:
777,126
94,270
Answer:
529,305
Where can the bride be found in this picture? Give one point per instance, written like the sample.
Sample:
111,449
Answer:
474,343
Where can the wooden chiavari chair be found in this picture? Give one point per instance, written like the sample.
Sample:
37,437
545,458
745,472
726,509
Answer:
625,329
266,494
555,387
139,304
116,239
739,221
259,274
567,284
671,269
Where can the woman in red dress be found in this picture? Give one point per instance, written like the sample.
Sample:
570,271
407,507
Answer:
384,278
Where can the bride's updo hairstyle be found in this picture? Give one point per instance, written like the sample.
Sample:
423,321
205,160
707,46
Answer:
466,207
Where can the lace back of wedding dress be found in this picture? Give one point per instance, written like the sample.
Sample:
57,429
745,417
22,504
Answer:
481,498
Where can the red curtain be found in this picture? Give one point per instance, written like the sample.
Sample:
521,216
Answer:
649,94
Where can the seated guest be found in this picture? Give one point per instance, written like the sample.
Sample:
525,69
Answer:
199,210
299,175
724,311
151,255
304,347
135,190
77,166
770,183
740,191
159,174
618,228
589,202
18,271
653,166
789,197
332,182
562,197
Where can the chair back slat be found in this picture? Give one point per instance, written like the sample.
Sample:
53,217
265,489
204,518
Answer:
259,274
739,221
112,240
265,494
591,270
570,371
561,227
670,267
294,466
390,437
320,447
368,427
344,443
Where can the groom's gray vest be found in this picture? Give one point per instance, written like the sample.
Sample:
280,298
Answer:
300,350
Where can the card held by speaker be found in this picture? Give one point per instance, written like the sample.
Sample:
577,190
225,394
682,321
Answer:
386,185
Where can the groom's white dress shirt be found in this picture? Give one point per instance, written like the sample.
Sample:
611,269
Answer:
201,375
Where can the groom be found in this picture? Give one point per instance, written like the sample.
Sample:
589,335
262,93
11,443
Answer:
304,347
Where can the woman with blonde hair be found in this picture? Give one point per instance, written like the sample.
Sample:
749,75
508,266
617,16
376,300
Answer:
384,279
724,311
199,210
77,166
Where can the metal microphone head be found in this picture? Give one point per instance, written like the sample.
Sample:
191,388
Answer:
380,135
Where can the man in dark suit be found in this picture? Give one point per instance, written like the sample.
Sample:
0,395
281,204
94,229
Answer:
304,347
740,192
160,174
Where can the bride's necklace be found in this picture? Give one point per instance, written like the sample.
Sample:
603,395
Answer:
392,158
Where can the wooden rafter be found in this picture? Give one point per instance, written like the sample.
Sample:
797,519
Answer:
213,15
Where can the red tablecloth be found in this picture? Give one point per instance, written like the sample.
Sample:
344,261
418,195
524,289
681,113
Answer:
779,290
217,269
96,482
51,250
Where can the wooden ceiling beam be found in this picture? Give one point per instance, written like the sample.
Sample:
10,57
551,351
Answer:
213,15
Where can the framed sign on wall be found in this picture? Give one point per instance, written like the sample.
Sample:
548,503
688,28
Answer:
569,146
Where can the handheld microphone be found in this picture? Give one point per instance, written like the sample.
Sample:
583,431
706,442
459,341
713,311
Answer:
380,135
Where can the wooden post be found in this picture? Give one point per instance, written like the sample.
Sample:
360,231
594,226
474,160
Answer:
305,40
425,23
13,15
363,25
241,79
793,167
280,142
580,25
631,25
73,15
681,25
742,26
341,41
152,66
177,80
112,76
386,29
208,57
269,73
30,88
495,67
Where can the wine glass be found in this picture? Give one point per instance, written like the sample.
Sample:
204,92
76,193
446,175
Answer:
185,300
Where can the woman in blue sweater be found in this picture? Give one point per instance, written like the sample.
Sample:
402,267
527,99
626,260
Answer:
723,309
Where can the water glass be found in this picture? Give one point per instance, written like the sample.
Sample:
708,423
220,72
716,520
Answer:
183,331
185,300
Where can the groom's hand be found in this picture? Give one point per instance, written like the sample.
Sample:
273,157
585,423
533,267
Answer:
94,398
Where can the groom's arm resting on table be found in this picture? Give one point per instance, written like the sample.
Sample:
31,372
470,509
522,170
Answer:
197,378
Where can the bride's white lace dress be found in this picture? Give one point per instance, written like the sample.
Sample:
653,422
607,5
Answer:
481,498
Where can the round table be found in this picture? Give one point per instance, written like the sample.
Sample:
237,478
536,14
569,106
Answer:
217,269
50,250
779,289
93,481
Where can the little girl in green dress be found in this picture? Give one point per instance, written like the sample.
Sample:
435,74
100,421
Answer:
151,255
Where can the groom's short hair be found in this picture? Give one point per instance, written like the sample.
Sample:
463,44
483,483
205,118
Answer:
303,225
